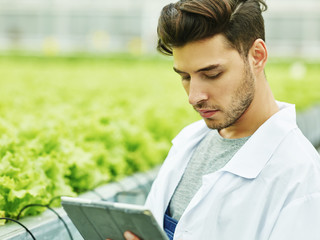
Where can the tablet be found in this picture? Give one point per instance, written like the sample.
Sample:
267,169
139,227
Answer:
99,220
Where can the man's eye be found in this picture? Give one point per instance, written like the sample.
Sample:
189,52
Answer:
214,76
187,78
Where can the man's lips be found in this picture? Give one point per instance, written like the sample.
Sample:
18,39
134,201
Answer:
207,113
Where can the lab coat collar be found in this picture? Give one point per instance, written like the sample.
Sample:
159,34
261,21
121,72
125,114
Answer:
249,161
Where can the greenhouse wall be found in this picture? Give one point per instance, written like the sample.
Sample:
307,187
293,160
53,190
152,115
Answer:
100,26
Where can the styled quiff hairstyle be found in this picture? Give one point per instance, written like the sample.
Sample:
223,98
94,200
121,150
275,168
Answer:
187,21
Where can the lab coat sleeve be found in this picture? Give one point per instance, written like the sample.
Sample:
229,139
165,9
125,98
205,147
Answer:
299,220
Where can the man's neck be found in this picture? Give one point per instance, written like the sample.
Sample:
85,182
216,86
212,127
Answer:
262,107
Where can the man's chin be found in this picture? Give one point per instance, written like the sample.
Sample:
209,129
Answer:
213,124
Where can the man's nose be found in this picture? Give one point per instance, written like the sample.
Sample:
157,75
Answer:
198,92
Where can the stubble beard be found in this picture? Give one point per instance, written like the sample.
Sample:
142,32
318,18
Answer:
240,102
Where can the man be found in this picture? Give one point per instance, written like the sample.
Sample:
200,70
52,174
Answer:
245,171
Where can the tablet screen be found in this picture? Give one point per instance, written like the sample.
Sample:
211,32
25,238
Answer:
98,220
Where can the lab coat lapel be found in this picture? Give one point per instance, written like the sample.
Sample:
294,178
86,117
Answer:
174,166
249,161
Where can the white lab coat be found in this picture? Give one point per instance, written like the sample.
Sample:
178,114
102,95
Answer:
270,189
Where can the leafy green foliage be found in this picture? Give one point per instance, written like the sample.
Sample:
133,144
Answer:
70,124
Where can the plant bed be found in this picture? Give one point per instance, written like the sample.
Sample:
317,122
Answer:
47,226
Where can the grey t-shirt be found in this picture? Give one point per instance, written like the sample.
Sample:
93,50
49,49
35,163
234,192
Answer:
212,153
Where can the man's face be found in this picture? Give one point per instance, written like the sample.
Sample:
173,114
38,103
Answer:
219,83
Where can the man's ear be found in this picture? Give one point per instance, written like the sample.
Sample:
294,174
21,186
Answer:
259,55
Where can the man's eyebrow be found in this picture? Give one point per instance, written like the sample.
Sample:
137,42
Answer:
208,68
177,70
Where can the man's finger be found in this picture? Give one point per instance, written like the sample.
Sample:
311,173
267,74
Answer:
130,236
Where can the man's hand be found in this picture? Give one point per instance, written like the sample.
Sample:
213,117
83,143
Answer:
128,236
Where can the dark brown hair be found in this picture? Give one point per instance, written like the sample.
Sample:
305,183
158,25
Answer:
186,21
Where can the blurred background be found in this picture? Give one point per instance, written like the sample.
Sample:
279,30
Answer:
54,27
